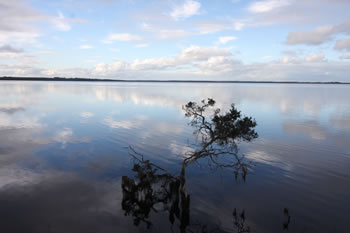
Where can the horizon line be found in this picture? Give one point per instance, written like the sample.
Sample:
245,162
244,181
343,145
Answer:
13,78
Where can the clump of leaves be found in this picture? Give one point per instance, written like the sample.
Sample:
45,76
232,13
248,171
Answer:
219,134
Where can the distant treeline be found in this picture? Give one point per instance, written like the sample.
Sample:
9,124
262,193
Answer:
7,78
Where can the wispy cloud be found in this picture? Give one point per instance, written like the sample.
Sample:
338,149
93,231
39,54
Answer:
166,34
267,5
121,37
61,22
207,27
226,39
319,35
188,56
311,37
290,60
318,57
18,22
188,9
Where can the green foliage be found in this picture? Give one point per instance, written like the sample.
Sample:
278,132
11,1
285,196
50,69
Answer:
223,129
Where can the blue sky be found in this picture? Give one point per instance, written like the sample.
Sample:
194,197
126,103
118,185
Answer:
305,40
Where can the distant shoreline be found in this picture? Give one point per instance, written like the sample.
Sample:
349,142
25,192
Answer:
153,81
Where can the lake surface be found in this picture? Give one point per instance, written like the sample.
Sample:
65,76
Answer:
68,152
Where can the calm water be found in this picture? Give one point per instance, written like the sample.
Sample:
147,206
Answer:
64,148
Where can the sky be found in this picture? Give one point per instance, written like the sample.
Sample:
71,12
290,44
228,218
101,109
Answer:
270,40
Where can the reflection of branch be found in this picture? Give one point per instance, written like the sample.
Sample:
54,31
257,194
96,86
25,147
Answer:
239,222
135,155
153,185
287,217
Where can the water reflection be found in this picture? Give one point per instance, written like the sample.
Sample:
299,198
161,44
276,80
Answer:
59,138
60,203
217,139
239,222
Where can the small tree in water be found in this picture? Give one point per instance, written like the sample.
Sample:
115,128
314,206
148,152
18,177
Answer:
218,137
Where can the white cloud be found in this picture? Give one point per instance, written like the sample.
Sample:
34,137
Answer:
267,5
16,12
206,27
218,65
187,56
196,53
297,12
188,9
290,60
19,58
103,69
24,37
211,27
166,34
18,69
315,57
146,26
319,35
200,28
61,22
121,37
312,37
295,70
17,22
238,26
153,64
343,45
86,46
226,39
